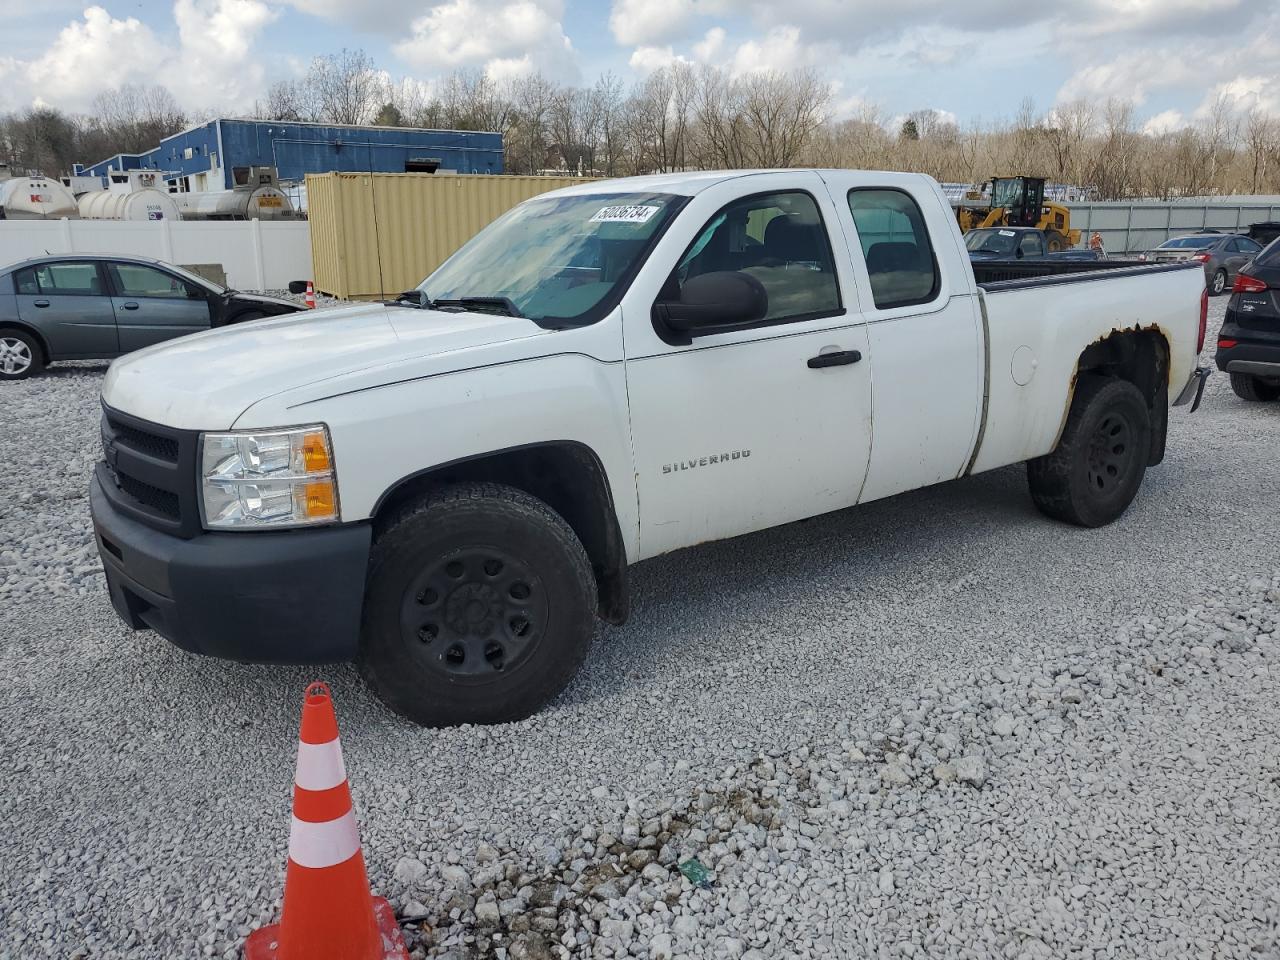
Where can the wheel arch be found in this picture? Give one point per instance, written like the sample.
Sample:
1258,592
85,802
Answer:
31,331
1140,356
566,475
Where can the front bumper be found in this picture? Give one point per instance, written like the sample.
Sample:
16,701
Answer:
286,597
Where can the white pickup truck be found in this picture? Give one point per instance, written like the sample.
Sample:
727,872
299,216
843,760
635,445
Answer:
450,487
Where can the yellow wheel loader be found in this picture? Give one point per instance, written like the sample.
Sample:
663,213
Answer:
1019,202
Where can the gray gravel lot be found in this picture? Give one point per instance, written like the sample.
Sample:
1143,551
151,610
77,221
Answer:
939,725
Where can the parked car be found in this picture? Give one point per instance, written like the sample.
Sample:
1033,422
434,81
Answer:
86,307
450,487
1222,254
1006,243
1264,231
1019,243
1249,341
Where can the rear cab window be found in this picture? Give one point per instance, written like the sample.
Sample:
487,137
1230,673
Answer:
895,245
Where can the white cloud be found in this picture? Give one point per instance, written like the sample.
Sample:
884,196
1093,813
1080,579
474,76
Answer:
1166,121
70,73
208,66
505,38
647,60
780,50
708,48
216,39
645,22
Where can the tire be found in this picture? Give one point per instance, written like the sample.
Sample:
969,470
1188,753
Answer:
1254,389
479,608
1094,474
1218,283
1055,242
21,355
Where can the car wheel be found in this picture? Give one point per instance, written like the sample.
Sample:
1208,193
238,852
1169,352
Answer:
1218,283
1094,474
480,607
20,355
1254,389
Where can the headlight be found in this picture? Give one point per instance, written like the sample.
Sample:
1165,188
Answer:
267,478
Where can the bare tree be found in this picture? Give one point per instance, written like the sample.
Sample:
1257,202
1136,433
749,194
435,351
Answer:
1262,140
344,88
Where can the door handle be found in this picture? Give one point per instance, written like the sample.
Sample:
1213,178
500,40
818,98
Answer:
131,305
836,358
41,303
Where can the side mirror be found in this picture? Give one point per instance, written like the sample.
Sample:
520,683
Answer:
1018,254
713,303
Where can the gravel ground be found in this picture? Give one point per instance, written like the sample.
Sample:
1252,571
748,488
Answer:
939,725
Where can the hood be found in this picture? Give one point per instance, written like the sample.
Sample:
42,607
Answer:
206,380
273,301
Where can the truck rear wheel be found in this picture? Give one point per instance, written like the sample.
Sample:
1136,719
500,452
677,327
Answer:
480,607
1094,474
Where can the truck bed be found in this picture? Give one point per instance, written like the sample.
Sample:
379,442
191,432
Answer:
996,275
1036,322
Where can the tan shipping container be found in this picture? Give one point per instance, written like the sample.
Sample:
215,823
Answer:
374,235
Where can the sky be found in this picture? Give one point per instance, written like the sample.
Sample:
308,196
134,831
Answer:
974,60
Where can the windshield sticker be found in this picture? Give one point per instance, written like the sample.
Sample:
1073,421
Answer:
630,213
1007,233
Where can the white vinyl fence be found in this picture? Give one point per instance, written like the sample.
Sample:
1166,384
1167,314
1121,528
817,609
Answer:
256,255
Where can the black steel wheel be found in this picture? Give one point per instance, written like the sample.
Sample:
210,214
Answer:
1098,466
474,612
1110,457
480,606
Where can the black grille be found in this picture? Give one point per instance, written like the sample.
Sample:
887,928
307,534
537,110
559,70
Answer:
162,448
161,501
149,472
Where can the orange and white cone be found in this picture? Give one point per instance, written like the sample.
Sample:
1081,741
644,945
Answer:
329,912
310,298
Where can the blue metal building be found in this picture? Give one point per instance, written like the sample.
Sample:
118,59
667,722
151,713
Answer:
204,157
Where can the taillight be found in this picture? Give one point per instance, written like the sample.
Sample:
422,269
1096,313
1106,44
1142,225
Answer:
1204,320
1226,344
1202,257
1245,284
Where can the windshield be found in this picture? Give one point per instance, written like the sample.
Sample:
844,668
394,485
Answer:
991,241
1188,243
1006,193
196,278
559,260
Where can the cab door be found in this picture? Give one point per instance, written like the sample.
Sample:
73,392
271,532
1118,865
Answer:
739,431
153,305
66,301
924,326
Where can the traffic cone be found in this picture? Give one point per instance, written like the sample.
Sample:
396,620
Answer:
310,298
329,912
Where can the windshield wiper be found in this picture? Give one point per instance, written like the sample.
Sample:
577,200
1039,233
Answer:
503,305
411,298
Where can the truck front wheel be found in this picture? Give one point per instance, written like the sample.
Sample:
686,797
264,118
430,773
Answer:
1094,474
479,607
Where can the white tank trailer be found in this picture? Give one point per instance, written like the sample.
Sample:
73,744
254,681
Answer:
256,196
130,196
34,198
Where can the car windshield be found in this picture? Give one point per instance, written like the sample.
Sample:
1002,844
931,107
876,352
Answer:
1270,255
1188,243
556,260
991,241
196,278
